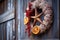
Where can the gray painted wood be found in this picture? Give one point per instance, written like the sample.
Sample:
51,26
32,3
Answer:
7,16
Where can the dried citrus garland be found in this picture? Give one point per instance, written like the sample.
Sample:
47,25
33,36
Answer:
46,11
36,29
26,20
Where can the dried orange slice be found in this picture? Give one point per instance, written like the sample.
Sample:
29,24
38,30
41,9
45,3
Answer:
35,29
26,20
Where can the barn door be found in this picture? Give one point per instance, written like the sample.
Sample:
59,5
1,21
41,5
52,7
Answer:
7,21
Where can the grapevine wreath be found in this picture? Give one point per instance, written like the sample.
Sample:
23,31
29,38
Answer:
33,12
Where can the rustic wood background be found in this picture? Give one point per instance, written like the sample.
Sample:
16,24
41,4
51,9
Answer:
51,34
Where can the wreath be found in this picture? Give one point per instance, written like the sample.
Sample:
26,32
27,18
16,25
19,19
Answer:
34,12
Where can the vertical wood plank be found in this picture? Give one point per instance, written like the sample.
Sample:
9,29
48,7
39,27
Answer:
16,20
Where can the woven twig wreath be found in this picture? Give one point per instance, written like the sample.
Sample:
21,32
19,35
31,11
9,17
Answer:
46,11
